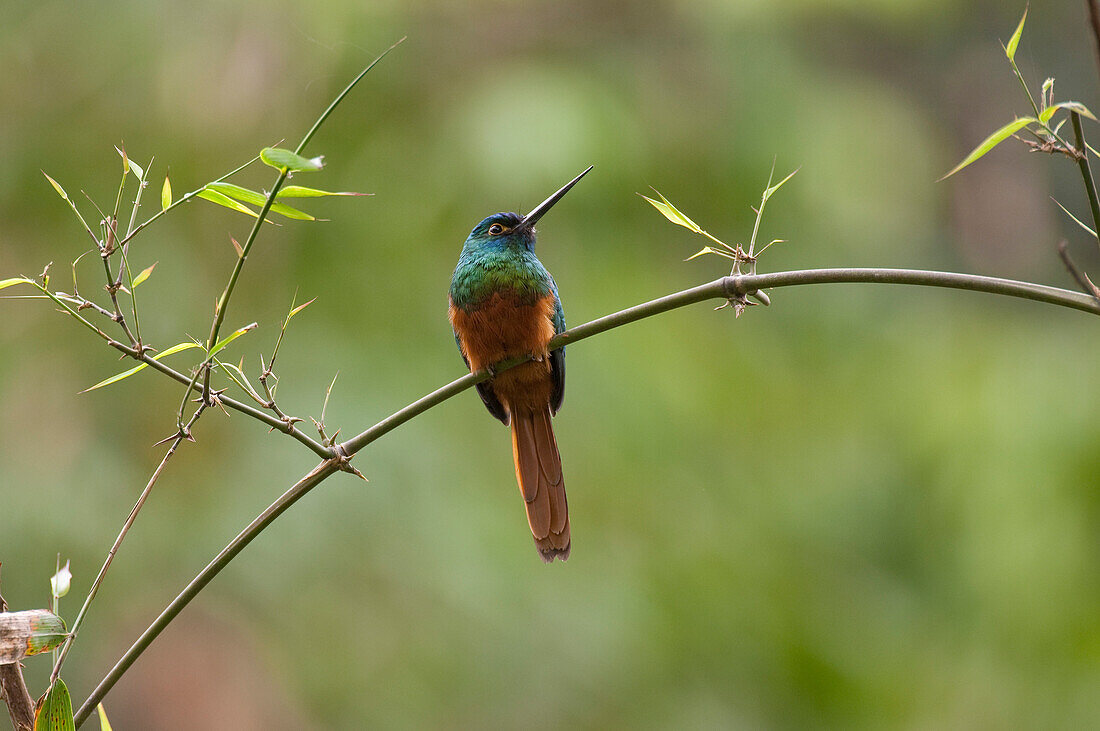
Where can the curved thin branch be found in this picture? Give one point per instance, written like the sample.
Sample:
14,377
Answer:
220,561
725,288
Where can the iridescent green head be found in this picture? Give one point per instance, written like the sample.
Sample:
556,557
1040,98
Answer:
504,229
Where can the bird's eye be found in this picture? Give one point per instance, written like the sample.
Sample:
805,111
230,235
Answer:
496,229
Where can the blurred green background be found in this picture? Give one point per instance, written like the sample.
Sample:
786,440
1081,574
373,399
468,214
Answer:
863,507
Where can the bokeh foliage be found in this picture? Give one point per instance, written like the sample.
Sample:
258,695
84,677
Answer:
862,507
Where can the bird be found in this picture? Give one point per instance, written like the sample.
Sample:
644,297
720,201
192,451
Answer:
504,304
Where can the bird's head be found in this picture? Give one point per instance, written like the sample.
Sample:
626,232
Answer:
512,229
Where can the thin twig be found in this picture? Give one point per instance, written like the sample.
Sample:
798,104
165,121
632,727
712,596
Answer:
724,288
1079,276
118,542
1094,21
112,283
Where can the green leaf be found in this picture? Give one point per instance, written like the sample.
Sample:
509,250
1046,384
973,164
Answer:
104,724
236,191
144,274
4,283
1046,114
55,709
299,308
777,186
284,210
223,200
704,250
281,159
47,631
240,379
297,191
670,212
165,194
231,337
992,141
1076,220
251,196
133,165
135,369
56,186
1014,41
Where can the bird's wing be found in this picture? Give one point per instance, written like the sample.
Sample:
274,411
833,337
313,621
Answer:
557,358
485,390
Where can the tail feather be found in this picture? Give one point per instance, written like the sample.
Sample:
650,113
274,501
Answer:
538,471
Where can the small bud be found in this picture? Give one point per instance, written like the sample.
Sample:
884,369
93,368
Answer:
59,582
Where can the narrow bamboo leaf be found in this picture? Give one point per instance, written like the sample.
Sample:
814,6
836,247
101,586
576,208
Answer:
144,274
1078,107
1076,220
992,141
133,165
251,196
297,191
689,223
299,308
223,200
1014,41
238,192
284,210
704,250
104,724
772,189
231,337
165,194
240,379
57,186
135,369
55,709
4,283
670,212
280,158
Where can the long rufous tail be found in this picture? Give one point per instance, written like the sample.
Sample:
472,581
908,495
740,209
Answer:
538,470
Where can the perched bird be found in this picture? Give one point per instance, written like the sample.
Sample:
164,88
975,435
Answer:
504,304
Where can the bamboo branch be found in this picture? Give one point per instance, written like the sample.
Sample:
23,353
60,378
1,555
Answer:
1094,21
223,302
118,542
1086,172
726,288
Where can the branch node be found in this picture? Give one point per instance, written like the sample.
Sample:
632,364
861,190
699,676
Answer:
342,460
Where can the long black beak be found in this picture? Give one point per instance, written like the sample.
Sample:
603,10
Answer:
546,205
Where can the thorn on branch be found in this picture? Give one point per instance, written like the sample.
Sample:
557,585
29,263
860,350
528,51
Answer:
1079,276
343,462
1052,147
